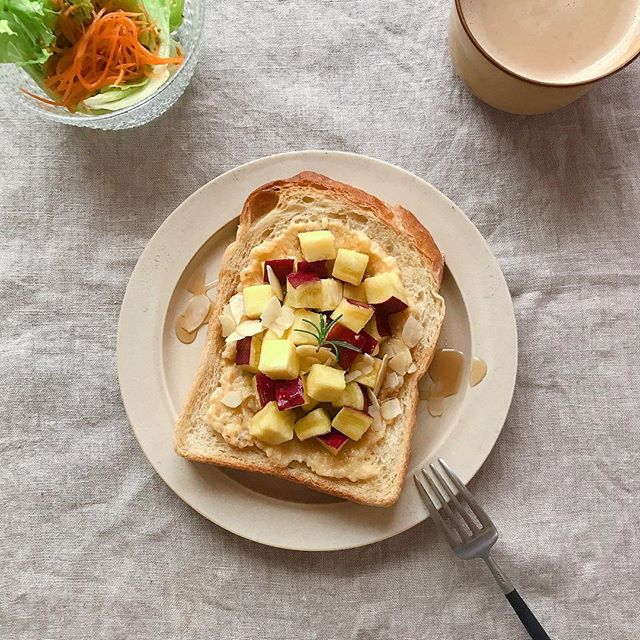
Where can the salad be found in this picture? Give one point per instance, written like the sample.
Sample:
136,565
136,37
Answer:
92,56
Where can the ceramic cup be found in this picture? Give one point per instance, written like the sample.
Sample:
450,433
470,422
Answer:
491,80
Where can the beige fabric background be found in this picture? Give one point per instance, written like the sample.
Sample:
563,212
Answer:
95,546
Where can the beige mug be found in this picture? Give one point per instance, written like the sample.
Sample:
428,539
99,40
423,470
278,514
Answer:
510,90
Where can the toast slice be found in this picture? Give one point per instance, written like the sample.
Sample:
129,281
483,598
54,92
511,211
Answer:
311,199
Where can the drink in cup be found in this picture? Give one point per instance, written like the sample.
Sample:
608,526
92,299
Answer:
534,56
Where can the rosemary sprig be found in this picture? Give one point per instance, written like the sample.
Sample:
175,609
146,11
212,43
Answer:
322,331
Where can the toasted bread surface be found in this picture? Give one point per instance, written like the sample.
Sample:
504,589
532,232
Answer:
306,199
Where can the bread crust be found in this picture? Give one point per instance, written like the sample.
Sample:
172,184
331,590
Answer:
259,203
397,217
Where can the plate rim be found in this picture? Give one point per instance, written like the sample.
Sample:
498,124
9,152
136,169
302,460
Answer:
304,158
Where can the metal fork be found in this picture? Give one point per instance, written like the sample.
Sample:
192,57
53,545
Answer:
469,537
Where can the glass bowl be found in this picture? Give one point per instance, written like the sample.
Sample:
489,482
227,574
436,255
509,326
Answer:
189,35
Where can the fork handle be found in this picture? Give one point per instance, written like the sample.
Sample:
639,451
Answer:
529,621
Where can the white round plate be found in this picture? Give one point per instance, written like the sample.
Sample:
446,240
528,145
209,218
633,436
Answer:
155,370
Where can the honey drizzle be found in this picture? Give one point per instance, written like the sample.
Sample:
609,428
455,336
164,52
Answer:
478,371
182,334
446,375
196,282
445,378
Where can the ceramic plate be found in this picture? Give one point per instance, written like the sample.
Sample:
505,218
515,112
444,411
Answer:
155,370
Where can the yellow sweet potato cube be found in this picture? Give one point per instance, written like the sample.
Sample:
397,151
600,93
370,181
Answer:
255,299
350,266
279,360
301,321
272,425
352,423
353,316
324,383
355,293
315,423
317,245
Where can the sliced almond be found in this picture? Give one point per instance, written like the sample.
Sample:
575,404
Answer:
236,307
232,399
270,313
378,424
400,362
277,329
249,328
228,324
286,318
391,347
391,409
381,375
276,318
412,332
353,375
229,352
365,368
374,405
412,368
196,312
233,337
373,399
392,380
365,364
276,287
310,355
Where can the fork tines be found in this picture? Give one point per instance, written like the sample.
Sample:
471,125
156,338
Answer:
459,526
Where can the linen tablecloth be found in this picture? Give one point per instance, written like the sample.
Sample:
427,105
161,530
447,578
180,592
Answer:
94,545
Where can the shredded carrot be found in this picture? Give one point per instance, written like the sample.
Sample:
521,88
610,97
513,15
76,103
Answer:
105,52
53,103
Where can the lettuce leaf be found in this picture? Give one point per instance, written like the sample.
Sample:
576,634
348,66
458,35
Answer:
26,31
83,9
176,14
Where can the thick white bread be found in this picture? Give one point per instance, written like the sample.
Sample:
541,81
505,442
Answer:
307,198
